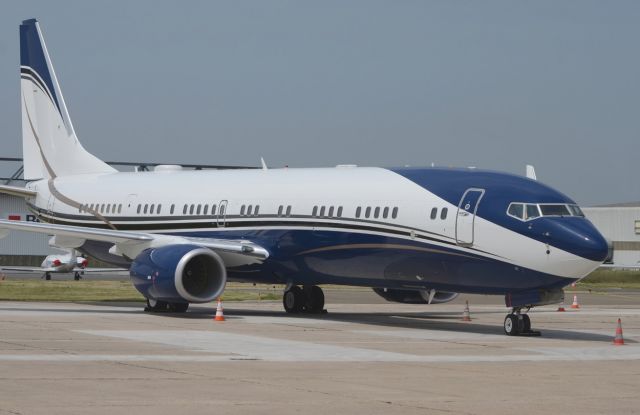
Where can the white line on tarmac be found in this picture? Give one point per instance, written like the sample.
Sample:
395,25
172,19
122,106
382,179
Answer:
243,347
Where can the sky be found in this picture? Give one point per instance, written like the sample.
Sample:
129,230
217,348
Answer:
489,84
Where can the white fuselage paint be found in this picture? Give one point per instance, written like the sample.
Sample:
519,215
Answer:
302,189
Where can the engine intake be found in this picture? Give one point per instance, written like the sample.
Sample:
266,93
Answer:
180,273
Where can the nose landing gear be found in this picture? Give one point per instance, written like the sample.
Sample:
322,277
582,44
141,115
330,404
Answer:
518,324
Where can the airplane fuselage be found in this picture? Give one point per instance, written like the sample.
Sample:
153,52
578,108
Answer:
444,229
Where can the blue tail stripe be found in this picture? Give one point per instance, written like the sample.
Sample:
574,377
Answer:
32,55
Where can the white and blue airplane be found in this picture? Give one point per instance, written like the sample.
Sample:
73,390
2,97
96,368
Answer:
414,235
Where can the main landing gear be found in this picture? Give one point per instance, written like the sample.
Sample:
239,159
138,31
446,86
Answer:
309,299
47,276
518,324
155,306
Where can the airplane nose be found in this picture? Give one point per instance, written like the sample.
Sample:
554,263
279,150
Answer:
593,245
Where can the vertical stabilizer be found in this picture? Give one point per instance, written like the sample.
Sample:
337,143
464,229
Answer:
49,143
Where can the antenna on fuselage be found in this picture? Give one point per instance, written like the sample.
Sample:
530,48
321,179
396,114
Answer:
531,172
264,165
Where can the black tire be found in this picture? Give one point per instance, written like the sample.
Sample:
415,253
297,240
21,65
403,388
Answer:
526,323
47,276
511,325
293,300
77,276
156,306
178,307
314,299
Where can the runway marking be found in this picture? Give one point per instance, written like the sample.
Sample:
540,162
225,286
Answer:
243,347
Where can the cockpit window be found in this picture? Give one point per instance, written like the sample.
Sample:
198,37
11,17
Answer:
516,210
528,211
575,210
554,210
532,212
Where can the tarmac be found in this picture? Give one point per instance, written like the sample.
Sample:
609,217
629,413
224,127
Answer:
365,356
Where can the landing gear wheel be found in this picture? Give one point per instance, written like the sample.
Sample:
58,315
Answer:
178,307
511,325
47,276
293,300
315,299
76,276
155,306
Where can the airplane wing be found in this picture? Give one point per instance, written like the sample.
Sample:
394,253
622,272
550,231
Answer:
130,244
27,269
100,270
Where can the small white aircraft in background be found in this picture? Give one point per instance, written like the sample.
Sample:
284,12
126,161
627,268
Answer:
62,263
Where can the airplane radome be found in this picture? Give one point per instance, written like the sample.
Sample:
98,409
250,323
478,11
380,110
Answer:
414,235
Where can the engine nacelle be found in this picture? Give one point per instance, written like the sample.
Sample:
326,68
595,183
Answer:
414,296
179,273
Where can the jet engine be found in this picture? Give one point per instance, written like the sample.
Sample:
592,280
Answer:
179,273
415,296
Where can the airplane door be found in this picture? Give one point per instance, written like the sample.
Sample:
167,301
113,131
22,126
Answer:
222,213
466,217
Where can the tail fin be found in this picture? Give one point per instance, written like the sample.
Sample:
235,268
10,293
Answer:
49,143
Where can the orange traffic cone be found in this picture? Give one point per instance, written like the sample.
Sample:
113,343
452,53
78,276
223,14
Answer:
219,311
561,307
618,340
575,302
466,316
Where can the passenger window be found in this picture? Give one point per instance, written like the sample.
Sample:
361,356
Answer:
376,212
322,212
206,209
516,210
434,213
199,209
213,209
255,212
339,212
242,210
172,208
358,211
443,213
385,212
102,208
139,207
280,210
192,208
289,210
184,209
314,211
367,212
120,208
151,209
146,208
330,214
249,208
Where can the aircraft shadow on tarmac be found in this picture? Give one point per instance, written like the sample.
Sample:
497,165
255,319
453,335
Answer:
433,320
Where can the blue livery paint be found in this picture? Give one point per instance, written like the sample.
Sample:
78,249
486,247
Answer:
576,235
310,257
32,55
